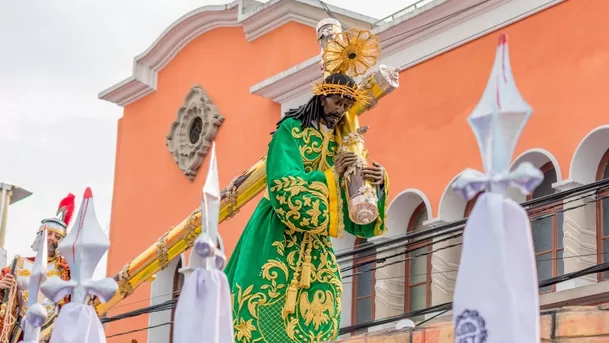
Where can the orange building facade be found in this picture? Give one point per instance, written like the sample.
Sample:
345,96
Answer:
254,61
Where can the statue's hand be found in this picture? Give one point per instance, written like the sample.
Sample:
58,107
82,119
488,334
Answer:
7,281
375,174
344,161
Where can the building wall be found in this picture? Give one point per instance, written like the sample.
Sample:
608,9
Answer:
559,71
420,132
150,192
565,325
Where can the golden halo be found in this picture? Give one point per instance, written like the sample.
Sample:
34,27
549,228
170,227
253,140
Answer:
352,52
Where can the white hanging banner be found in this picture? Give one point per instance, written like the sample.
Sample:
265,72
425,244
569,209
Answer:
497,293
204,310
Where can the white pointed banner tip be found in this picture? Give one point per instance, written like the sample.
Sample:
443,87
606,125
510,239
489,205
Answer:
83,248
212,183
500,116
86,243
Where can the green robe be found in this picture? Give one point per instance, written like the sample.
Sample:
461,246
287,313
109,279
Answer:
288,233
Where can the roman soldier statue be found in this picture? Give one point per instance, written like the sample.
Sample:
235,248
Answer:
14,279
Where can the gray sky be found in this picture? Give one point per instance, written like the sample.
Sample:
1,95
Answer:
57,137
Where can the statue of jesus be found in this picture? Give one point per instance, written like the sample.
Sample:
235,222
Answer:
286,283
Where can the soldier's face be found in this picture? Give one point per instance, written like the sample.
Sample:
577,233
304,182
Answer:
335,107
52,241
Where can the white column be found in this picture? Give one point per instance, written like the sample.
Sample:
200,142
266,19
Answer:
161,290
340,245
389,287
444,265
5,200
579,237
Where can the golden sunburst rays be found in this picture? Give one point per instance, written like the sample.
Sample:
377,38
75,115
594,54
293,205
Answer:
352,52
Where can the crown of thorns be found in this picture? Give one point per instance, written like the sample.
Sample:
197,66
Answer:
332,88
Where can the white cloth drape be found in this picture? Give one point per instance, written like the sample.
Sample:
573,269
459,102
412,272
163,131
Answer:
78,323
204,310
497,292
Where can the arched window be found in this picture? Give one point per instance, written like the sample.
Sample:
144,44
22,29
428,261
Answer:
547,226
178,282
363,284
418,269
602,217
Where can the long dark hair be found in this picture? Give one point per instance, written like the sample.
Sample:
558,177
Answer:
313,110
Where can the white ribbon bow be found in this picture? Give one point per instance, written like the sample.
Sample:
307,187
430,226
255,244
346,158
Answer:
525,178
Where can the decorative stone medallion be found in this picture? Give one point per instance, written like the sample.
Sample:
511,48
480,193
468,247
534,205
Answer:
192,133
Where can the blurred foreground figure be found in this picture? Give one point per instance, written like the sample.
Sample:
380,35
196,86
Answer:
203,313
15,279
497,293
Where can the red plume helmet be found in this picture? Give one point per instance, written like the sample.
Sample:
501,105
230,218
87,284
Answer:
59,224
66,206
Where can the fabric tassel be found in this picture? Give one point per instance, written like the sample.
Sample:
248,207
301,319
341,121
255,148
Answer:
290,302
305,278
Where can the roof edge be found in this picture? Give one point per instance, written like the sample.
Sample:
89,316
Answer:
256,19
414,38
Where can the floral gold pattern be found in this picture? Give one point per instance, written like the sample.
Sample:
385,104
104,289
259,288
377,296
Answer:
315,154
303,206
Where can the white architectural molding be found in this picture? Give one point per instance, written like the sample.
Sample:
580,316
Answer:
444,266
538,157
452,205
588,155
436,28
267,17
161,290
565,185
256,19
401,209
183,31
434,222
585,295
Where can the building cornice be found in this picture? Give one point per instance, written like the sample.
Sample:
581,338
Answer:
267,17
255,18
146,65
438,27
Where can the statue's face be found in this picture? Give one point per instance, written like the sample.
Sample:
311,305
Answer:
335,107
52,241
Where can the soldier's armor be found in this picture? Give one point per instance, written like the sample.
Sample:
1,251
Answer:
56,267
